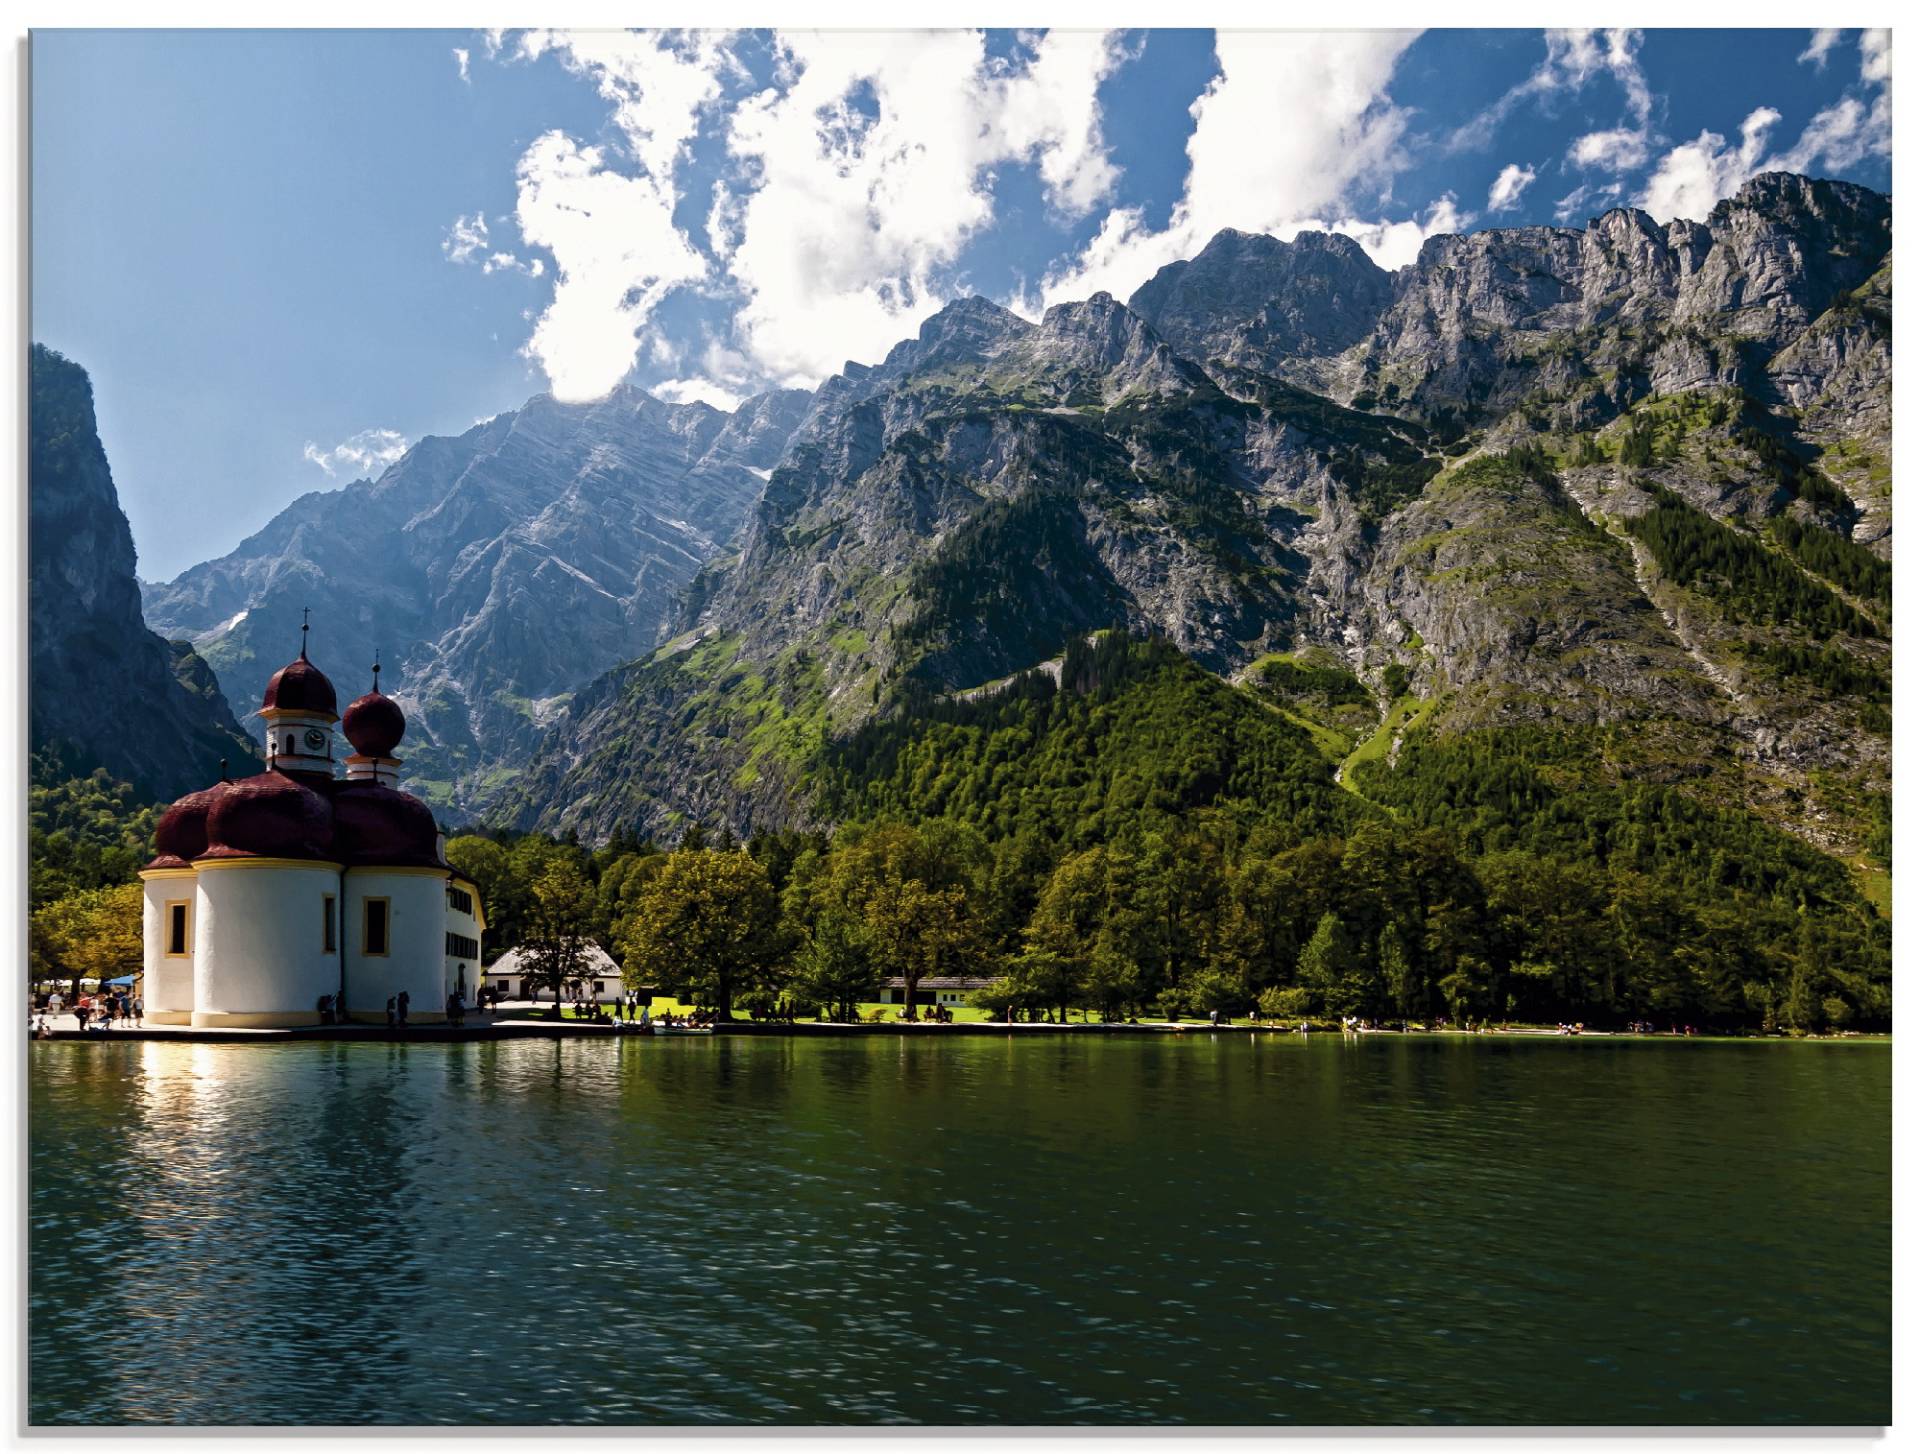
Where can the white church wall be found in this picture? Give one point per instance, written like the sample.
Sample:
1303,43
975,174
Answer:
260,946
415,957
166,984
465,927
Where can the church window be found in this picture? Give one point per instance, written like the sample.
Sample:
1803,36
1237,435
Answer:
373,939
327,928
179,927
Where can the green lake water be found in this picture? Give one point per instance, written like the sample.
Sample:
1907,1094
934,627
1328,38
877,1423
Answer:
1210,1229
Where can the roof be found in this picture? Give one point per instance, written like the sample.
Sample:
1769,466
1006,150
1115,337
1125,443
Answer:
290,812
374,724
943,982
300,686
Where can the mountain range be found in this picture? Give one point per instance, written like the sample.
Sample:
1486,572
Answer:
493,573
1628,485
1627,480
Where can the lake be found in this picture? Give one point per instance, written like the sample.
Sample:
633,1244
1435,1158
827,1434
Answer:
1203,1229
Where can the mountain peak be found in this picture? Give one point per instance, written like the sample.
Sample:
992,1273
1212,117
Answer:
1250,299
968,330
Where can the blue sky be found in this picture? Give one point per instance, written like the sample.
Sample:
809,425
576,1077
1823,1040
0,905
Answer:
284,255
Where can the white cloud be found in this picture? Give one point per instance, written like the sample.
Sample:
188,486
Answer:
1622,149
607,220
466,238
1693,177
1395,244
691,391
467,241
869,168
1573,58
461,57
1876,57
1504,194
863,170
1589,197
1852,128
616,253
365,453
1292,125
659,82
1821,42
1052,112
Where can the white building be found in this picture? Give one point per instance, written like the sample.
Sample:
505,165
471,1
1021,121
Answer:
275,891
601,981
948,990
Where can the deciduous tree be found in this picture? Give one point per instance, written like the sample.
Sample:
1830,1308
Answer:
706,924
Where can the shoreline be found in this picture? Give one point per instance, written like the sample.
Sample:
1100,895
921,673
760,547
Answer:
516,1028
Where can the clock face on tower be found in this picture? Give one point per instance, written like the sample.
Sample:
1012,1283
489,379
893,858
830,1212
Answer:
316,739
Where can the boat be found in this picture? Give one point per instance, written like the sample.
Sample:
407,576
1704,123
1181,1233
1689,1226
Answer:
660,1029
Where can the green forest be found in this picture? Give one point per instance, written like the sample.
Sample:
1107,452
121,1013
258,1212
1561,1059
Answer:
1141,838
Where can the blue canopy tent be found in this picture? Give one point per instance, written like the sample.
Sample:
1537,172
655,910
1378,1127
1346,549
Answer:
124,979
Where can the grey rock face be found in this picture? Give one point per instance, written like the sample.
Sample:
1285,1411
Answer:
1572,323
1274,307
104,690
496,572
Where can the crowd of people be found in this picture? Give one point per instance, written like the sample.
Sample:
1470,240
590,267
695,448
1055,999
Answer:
116,1007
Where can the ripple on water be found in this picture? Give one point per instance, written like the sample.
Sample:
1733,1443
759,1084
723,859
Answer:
871,1230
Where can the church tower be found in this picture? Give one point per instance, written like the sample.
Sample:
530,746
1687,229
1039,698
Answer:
299,714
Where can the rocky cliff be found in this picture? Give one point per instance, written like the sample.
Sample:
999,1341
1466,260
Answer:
104,690
496,573
1628,482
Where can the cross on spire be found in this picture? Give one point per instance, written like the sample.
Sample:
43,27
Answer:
303,633
376,668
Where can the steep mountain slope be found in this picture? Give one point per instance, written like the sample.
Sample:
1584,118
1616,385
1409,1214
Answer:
994,489
496,572
104,690
1626,483
1783,293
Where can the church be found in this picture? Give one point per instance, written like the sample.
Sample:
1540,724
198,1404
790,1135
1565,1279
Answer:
274,892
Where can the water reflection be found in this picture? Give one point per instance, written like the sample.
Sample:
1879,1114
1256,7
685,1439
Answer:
896,1229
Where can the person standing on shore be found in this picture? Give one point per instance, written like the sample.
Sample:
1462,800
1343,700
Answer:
404,1001
390,1011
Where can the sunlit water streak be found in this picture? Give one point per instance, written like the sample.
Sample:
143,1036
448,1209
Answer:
971,1230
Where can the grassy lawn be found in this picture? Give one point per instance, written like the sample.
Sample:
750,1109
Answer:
664,1006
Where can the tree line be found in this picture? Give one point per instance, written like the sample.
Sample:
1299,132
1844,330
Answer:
1386,922
1140,838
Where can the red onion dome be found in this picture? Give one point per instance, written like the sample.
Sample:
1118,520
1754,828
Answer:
181,834
300,686
374,725
378,826
270,816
